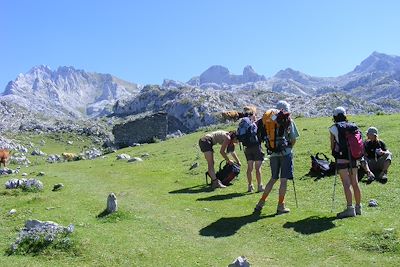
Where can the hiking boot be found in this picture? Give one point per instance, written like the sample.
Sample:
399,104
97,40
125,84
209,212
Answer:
259,206
348,212
358,209
383,177
281,209
260,188
217,184
250,188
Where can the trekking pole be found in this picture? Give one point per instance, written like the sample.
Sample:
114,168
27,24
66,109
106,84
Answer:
334,188
295,195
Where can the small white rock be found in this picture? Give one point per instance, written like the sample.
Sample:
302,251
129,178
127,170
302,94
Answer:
12,212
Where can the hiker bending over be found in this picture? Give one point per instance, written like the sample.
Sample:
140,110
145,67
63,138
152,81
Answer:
227,141
346,165
377,157
252,147
281,159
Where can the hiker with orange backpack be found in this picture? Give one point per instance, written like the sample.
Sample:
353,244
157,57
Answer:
227,140
346,160
280,133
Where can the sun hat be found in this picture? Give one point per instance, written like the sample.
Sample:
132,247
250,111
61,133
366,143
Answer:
285,106
372,130
339,110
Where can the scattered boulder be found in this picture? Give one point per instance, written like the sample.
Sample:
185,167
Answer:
123,156
112,204
19,160
53,159
12,212
38,152
91,154
6,171
373,203
25,184
41,174
135,159
58,187
35,231
176,134
240,262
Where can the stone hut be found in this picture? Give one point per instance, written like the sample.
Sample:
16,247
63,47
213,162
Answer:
147,129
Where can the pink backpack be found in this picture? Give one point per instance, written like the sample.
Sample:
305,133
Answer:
350,141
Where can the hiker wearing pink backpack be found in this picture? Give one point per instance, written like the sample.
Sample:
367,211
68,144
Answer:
347,148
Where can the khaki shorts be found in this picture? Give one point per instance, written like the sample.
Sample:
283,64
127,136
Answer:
377,165
205,144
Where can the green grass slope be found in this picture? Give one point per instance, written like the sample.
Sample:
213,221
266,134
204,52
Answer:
168,217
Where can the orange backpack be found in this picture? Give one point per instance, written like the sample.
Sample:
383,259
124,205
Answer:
275,123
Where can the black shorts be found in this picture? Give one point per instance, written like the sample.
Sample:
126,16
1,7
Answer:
254,153
205,144
346,165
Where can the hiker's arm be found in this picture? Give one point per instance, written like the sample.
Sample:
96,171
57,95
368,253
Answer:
224,146
235,157
332,141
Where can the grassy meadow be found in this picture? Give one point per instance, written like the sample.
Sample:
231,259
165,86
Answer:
168,216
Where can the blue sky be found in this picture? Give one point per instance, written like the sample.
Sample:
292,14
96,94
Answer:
147,41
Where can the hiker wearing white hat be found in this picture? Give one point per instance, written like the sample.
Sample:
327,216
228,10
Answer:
346,164
377,157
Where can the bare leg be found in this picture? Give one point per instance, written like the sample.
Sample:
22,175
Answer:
356,187
344,176
250,165
209,155
258,172
283,187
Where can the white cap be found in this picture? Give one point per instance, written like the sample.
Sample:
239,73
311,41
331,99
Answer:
285,106
339,110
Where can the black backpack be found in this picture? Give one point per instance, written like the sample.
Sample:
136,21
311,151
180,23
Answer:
321,167
226,174
247,133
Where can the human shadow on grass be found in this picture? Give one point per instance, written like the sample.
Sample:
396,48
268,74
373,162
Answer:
312,225
221,197
229,226
193,190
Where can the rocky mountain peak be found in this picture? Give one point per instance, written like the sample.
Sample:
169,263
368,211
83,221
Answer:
249,75
67,91
379,62
291,74
215,74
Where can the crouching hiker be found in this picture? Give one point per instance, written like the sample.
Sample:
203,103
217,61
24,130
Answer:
279,147
377,157
227,141
346,162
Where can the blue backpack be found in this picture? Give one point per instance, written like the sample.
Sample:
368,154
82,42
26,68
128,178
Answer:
247,133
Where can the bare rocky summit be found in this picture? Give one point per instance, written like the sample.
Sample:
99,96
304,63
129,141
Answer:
75,100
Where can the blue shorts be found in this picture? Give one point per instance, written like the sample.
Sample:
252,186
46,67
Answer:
282,165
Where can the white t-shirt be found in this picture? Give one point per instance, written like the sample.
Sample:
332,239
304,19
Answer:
334,130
